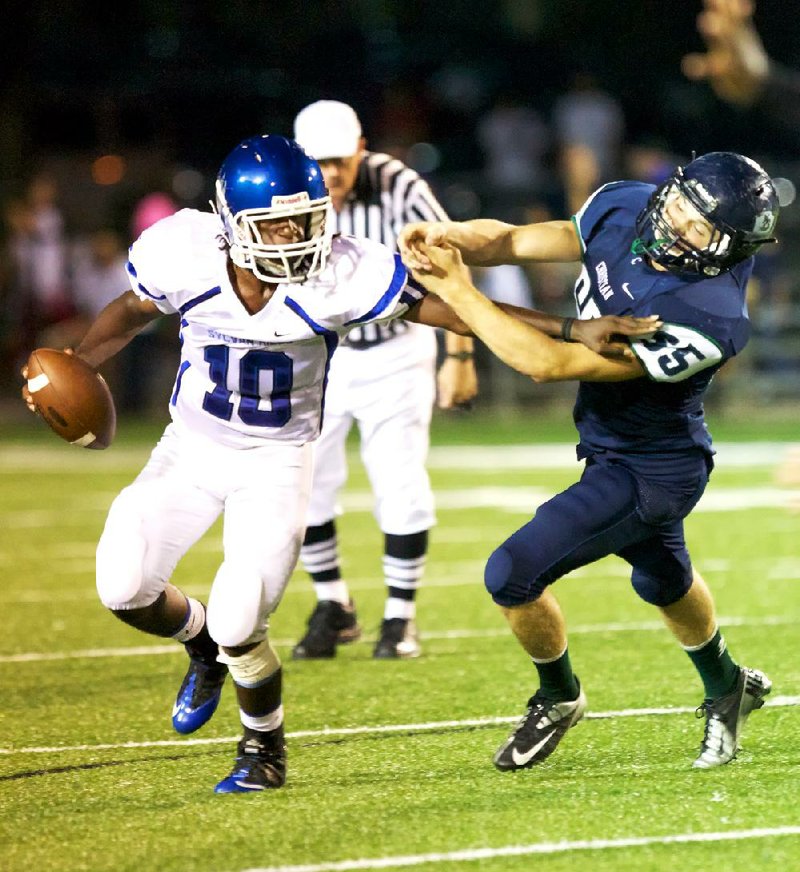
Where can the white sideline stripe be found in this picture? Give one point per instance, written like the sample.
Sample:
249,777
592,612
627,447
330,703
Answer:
776,702
539,848
578,629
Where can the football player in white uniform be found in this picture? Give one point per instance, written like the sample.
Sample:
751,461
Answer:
264,293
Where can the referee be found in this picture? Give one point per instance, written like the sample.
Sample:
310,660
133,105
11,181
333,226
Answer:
383,378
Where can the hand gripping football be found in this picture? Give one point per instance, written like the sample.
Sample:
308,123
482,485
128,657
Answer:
72,398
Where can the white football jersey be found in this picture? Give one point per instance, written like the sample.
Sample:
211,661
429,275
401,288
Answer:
248,377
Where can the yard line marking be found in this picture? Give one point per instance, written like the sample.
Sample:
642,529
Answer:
466,633
504,499
465,573
554,455
537,848
776,702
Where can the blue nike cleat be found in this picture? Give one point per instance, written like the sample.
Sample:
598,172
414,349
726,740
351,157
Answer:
260,765
199,695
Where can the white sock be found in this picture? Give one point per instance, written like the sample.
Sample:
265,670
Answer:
399,608
332,590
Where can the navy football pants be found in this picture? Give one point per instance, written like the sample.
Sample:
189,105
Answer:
604,513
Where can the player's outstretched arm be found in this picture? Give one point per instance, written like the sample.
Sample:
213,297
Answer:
486,242
520,343
115,326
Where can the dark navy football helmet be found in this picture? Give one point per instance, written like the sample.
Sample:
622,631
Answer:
268,177
733,193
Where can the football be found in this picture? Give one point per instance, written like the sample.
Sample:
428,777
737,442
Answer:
72,398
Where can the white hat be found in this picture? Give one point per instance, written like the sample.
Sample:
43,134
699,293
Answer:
328,129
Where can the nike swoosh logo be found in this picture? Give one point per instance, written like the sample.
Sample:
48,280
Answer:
625,289
522,759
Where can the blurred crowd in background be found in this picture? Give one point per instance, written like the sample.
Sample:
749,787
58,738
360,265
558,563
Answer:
516,110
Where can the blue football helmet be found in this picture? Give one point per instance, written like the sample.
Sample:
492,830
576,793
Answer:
733,193
271,177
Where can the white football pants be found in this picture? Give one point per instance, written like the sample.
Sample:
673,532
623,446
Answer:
393,413
182,490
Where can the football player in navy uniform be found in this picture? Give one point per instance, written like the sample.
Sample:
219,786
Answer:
682,251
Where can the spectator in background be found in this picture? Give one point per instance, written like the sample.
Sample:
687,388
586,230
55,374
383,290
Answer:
17,315
47,251
35,277
514,139
589,128
151,208
736,64
98,274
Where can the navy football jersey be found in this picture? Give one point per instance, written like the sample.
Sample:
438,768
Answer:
705,323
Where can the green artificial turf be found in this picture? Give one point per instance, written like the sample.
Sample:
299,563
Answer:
392,759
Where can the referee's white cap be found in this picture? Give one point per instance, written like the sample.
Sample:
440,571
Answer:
328,129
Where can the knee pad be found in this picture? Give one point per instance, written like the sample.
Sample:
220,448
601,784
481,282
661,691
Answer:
253,668
661,591
120,568
508,582
234,614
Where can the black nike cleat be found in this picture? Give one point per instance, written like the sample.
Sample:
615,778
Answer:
537,735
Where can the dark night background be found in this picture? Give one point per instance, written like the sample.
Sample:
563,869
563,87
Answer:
167,89
191,79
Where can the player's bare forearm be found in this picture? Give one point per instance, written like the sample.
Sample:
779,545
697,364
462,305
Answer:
550,325
434,312
115,326
519,344
486,242
530,351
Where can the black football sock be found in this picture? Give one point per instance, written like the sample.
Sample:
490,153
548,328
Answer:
556,678
718,670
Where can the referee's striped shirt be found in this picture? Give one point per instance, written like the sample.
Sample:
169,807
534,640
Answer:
386,196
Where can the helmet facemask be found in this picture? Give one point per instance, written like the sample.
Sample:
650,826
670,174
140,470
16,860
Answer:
291,262
727,245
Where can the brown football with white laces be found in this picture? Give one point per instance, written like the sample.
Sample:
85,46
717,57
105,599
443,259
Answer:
72,398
